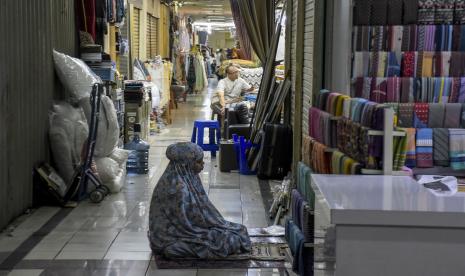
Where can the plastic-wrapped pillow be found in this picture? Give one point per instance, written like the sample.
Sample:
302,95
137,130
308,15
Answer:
68,132
120,156
108,128
75,75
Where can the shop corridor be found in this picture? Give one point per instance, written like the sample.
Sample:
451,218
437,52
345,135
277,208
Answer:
111,238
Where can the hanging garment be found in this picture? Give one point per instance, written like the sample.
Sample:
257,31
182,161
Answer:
424,147
86,18
410,8
420,116
182,220
441,147
457,148
452,115
410,160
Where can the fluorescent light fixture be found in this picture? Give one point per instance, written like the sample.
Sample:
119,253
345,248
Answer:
213,24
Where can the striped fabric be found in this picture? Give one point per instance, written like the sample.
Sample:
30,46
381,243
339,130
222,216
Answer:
441,146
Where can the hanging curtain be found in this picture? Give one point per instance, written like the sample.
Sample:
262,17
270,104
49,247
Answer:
264,33
241,30
258,17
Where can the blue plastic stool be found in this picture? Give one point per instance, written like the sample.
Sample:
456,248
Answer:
197,132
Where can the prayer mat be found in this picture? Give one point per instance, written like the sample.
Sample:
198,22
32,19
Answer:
270,255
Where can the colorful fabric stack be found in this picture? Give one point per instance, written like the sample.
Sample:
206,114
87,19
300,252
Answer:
424,148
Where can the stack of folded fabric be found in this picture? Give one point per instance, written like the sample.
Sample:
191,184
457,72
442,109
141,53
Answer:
424,148
91,53
134,92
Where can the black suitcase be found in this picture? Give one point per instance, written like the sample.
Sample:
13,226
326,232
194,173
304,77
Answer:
275,156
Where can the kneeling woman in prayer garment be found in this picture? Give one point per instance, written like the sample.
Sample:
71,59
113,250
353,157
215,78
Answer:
183,222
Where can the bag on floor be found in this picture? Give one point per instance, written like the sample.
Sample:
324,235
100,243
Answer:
275,156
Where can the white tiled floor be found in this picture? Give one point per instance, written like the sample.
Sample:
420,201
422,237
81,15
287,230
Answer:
116,228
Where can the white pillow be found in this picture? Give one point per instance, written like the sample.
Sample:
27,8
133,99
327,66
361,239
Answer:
75,75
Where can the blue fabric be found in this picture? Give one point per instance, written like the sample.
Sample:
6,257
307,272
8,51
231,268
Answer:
303,256
183,223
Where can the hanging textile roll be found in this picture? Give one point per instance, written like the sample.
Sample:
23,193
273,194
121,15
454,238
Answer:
442,64
400,152
426,9
459,12
441,147
444,13
410,160
410,8
393,89
393,65
408,64
407,90
421,29
379,90
346,107
296,204
424,147
361,64
427,64
362,38
462,117
461,98
452,115
420,118
457,148
406,111
409,38
378,12
379,38
436,115
394,16
303,183
455,90
395,36
362,12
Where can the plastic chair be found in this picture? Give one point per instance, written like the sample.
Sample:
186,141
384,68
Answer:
197,135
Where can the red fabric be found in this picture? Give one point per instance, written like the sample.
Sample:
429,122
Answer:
85,12
422,111
408,64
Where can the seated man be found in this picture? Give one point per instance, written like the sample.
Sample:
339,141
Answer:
229,90
183,223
